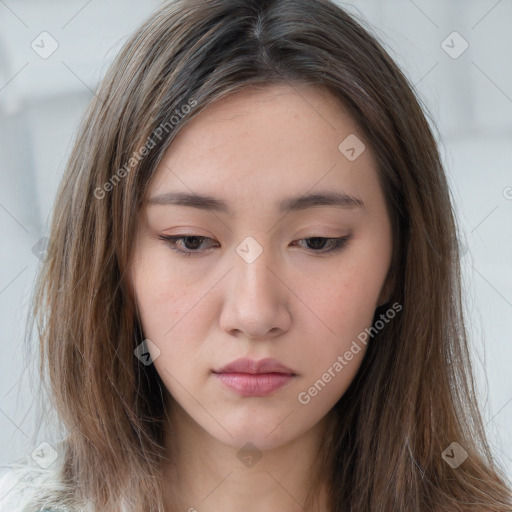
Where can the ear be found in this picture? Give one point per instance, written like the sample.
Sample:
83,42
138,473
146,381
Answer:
383,299
386,290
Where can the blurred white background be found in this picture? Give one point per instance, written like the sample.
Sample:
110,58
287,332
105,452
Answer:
469,94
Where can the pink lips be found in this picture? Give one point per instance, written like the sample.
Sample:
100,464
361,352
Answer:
255,378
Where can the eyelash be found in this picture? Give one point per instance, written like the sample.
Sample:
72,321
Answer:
337,244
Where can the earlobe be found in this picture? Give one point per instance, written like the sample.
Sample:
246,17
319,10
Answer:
383,301
386,291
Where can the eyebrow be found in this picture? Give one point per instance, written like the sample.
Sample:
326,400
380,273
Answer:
292,204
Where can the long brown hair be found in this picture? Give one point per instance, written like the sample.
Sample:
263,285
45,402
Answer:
414,393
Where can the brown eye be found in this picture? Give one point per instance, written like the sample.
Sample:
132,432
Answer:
317,244
190,243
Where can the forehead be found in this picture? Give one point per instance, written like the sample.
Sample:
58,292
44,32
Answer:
272,142
282,112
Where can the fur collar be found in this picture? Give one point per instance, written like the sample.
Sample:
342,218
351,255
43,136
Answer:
33,485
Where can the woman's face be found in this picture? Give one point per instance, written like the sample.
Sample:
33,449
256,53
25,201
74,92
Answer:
256,279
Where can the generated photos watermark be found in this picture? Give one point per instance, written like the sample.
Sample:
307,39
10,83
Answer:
137,156
342,361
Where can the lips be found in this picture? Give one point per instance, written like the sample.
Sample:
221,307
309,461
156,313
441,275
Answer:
250,366
250,378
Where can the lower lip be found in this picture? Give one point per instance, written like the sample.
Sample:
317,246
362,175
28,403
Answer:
260,384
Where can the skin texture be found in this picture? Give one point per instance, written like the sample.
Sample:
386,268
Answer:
253,149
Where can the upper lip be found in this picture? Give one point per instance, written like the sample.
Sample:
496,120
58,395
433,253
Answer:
268,365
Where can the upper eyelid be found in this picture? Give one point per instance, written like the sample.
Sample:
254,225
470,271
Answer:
180,236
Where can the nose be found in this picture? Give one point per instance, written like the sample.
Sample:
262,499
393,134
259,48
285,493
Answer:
256,299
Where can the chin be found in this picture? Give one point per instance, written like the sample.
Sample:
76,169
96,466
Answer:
249,440
264,433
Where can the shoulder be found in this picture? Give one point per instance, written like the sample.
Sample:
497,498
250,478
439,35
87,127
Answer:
27,485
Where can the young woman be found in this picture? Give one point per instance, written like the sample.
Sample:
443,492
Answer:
251,299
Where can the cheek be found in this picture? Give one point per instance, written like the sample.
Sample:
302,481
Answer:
347,300
175,315
161,297
164,311
343,308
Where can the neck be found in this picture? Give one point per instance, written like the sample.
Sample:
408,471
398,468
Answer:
205,475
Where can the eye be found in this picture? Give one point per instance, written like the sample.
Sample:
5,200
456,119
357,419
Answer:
171,241
334,244
192,243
